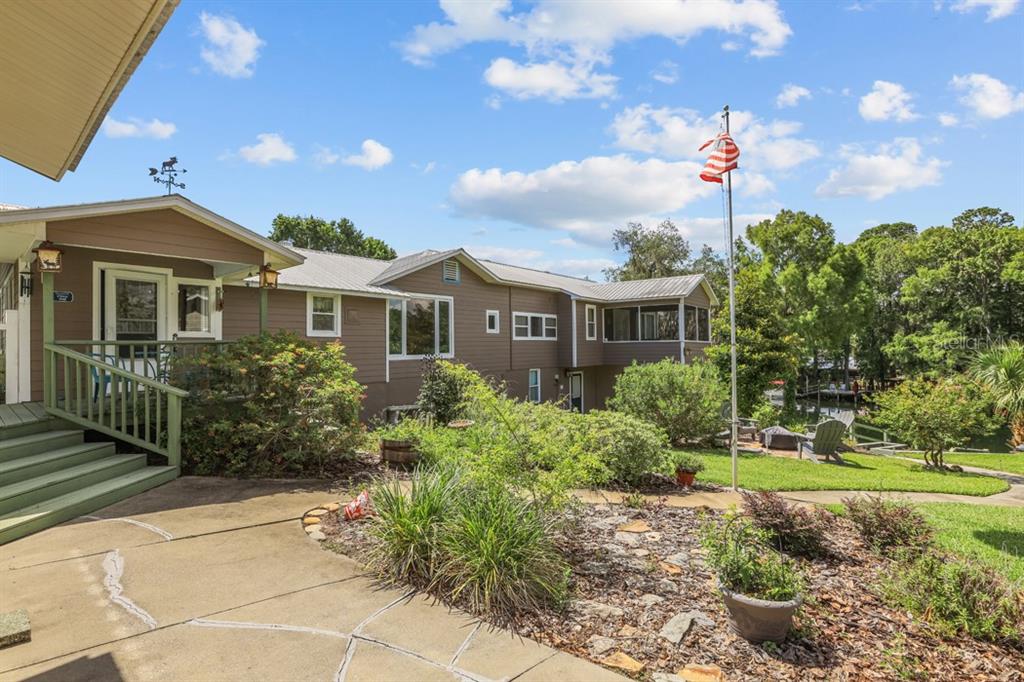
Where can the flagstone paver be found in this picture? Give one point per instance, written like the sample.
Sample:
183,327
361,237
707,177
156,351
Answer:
214,579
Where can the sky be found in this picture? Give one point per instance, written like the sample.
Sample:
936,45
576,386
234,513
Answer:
528,132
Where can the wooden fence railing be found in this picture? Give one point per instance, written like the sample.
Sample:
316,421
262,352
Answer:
114,399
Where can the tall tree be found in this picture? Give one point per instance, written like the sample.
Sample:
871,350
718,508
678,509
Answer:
651,252
336,236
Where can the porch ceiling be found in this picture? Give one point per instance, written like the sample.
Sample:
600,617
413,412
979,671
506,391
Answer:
62,65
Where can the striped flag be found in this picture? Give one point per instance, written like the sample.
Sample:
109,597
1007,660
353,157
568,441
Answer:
722,160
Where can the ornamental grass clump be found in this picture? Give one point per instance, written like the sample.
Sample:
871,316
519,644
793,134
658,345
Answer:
889,526
796,529
745,561
407,526
959,598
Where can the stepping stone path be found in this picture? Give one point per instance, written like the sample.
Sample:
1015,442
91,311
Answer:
311,520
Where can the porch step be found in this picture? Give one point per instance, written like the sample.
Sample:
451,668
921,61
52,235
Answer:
24,468
35,443
35,426
34,490
61,508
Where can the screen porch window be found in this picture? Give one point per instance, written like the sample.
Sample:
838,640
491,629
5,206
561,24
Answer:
698,324
323,315
194,308
419,327
642,323
536,326
534,386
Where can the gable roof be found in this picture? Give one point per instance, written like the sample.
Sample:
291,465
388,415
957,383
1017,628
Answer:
62,66
335,271
279,256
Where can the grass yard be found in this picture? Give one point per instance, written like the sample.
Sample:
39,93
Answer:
861,472
993,535
1010,463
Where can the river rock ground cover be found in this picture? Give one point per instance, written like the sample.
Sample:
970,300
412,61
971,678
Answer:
645,604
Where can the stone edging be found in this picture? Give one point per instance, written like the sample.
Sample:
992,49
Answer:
311,520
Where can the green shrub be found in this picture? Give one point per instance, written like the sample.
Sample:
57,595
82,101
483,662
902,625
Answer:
443,390
888,525
684,400
934,416
794,528
407,526
499,555
958,598
742,556
685,461
766,414
628,447
268,405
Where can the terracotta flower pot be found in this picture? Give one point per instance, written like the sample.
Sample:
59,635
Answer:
760,620
685,478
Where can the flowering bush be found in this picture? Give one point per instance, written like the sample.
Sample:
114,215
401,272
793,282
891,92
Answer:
268,405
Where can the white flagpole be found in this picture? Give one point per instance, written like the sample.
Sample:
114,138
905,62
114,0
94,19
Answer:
732,326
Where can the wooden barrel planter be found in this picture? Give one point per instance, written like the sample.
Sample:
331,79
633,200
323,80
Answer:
398,452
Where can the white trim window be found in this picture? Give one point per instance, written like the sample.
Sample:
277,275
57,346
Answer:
533,388
196,300
323,314
493,324
420,326
534,327
591,322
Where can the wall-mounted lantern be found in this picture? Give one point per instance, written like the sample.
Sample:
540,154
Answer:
268,277
50,257
25,284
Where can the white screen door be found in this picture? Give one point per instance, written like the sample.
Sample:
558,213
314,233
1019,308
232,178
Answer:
134,309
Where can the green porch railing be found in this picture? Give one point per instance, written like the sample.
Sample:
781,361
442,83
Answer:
151,359
119,402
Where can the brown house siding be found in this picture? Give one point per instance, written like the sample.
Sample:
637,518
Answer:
588,353
74,320
165,231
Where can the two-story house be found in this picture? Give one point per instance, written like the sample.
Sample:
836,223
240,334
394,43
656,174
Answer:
97,299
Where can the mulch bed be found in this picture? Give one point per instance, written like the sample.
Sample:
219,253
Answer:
628,585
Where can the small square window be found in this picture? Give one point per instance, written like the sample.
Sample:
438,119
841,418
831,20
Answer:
493,324
323,315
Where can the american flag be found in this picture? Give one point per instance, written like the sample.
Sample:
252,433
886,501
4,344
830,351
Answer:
722,160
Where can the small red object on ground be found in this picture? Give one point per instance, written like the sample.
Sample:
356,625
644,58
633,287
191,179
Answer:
358,508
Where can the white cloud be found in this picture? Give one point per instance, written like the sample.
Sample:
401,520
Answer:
948,120
553,80
679,133
325,156
230,49
505,254
374,156
565,41
566,242
429,167
997,9
271,148
588,198
791,95
896,167
887,101
712,230
988,97
667,72
134,127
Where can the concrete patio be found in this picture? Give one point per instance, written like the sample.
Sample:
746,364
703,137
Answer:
214,579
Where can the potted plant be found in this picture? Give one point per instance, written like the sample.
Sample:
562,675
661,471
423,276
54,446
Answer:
761,587
687,467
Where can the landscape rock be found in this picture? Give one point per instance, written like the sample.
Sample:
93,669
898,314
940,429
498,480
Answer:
332,506
316,512
317,535
623,662
310,520
653,536
641,553
677,626
666,586
651,599
671,569
596,609
680,559
609,522
627,539
666,677
636,526
599,645
312,528
693,672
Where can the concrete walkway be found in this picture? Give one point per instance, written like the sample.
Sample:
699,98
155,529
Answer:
214,579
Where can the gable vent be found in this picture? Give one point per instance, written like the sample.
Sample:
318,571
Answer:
451,271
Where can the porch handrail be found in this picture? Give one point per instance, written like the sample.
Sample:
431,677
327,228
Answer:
135,410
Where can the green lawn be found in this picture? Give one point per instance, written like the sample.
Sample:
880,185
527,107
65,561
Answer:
1010,463
990,534
861,472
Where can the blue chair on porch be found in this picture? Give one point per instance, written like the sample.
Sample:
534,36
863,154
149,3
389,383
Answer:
99,382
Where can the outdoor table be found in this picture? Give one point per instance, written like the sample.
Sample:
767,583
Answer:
780,438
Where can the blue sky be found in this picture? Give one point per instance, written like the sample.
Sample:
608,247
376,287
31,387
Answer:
527,132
